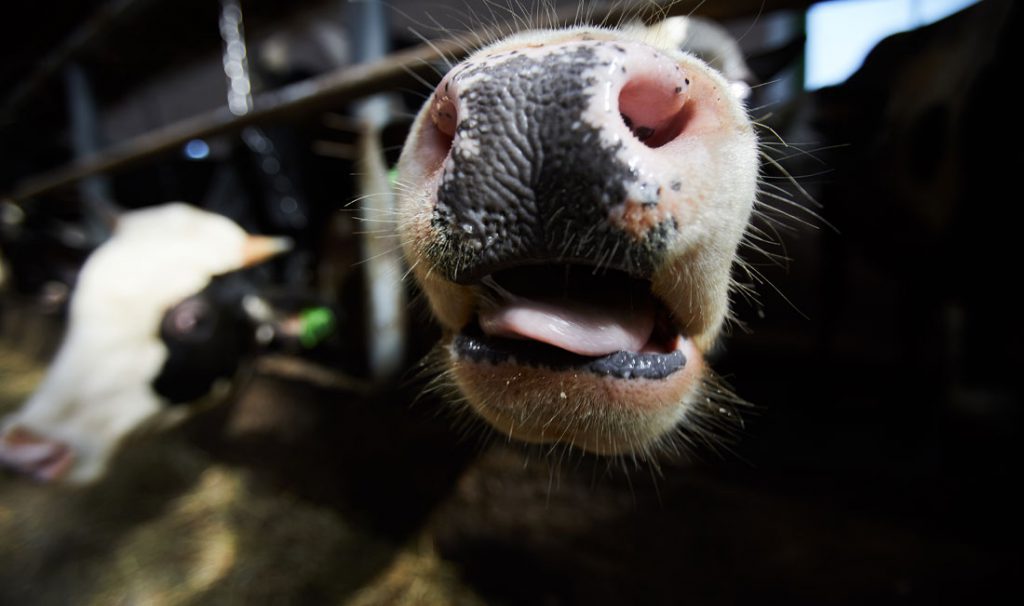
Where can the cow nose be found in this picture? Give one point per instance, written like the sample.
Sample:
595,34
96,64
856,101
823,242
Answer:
532,143
34,455
645,89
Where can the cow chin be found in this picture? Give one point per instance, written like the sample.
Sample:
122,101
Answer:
596,413
607,405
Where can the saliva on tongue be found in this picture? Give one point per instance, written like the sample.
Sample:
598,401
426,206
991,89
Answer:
596,324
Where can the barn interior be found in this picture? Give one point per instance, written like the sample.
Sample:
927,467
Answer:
876,413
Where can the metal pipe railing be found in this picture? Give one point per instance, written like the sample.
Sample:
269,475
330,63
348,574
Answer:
398,70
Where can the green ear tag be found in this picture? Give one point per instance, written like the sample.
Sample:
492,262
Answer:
317,324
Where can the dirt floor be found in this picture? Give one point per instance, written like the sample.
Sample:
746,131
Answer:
274,499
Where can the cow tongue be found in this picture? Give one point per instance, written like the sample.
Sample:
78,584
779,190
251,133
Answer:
588,328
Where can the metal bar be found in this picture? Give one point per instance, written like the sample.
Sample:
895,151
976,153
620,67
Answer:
298,369
298,98
384,289
95,191
355,82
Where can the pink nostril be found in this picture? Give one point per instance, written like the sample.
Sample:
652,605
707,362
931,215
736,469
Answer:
436,137
443,111
656,111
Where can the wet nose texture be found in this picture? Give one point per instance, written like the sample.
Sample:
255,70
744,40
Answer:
528,177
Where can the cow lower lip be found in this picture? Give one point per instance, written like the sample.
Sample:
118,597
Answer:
472,344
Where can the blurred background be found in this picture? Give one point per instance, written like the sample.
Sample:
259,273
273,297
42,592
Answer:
878,357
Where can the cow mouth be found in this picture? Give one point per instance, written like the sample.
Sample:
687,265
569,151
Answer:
573,317
36,456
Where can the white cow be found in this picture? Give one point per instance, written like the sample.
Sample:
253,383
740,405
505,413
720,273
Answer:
99,387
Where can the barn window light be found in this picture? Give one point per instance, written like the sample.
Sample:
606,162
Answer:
840,34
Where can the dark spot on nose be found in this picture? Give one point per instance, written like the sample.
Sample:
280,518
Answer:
643,132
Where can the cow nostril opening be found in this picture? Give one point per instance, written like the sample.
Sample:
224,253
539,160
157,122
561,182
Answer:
656,112
445,115
437,136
